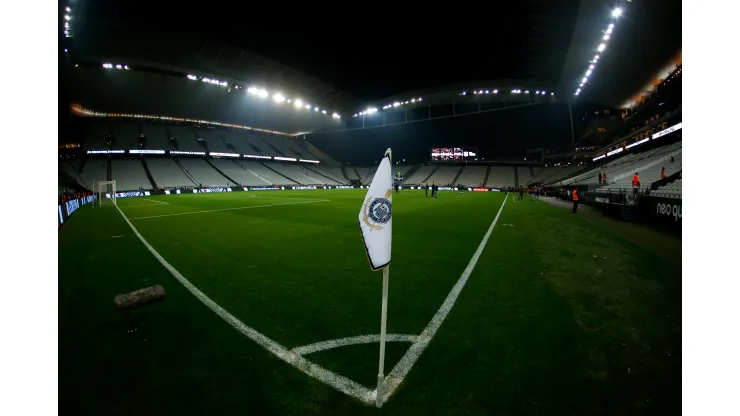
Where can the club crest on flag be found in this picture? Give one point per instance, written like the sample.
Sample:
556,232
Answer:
378,211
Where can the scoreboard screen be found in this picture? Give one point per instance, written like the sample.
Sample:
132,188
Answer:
445,154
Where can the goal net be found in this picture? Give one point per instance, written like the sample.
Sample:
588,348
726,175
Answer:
106,191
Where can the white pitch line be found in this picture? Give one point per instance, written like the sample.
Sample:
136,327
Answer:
341,383
344,342
154,200
396,376
229,209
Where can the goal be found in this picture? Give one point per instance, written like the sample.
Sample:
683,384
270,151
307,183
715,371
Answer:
106,191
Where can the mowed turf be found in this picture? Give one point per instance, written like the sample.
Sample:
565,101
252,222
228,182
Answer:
558,317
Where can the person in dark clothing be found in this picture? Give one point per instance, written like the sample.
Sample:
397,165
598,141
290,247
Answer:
397,187
599,178
521,193
426,190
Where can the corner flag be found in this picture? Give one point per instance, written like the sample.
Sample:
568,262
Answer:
375,216
376,225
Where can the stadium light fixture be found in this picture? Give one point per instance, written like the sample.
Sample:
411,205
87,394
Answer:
601,47
495,91
279,98
463,93
67,17
588,73
316,109
307,106
537,92
609,31
552,93
323,111
544,92
617,12
298,103
396,104
419,99
335,115
584,80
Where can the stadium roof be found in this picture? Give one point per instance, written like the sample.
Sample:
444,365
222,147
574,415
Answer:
347,58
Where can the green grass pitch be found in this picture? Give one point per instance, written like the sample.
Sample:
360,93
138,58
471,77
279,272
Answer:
559,316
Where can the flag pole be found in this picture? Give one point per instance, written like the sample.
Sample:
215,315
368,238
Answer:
383,318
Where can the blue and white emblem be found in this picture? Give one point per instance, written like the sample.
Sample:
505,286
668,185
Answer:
379,210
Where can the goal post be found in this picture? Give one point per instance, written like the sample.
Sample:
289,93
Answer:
106,191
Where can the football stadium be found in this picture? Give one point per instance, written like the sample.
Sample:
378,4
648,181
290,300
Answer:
262,219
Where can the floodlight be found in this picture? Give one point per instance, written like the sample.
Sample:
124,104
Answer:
601,47
617,12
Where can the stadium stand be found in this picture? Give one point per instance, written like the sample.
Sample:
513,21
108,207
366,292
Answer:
129,174
647,164
203,173
524,175
671,190
156,136
501,177
186,138
236,172
364,173
213,139
421,174
167,174
94,170
265,175
445,174
71,167
127,135
300,174
473,176
97,135
331,173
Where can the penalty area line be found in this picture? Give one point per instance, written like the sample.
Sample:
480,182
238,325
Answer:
339,382
402,368
228,209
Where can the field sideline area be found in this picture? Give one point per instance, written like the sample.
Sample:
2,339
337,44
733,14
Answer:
559,316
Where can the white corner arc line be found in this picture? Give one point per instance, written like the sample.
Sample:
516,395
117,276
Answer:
402,368
228,209
344,342
339,382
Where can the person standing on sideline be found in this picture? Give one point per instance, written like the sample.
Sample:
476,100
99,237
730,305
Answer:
435,190
636,184
426,190
521,193
603,178
575,201
662,173
599,178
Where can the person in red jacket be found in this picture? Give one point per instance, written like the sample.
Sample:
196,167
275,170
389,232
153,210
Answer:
575,200
636,184
662,173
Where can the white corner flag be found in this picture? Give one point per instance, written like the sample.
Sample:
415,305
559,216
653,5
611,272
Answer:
376,225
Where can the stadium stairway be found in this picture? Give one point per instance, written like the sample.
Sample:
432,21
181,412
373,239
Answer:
430,175
222,174
488,172
327,177
291,180
253,173
357,173
344,173
454,181
148,174
192,179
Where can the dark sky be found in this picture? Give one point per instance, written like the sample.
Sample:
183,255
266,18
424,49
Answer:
376,49
369,49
